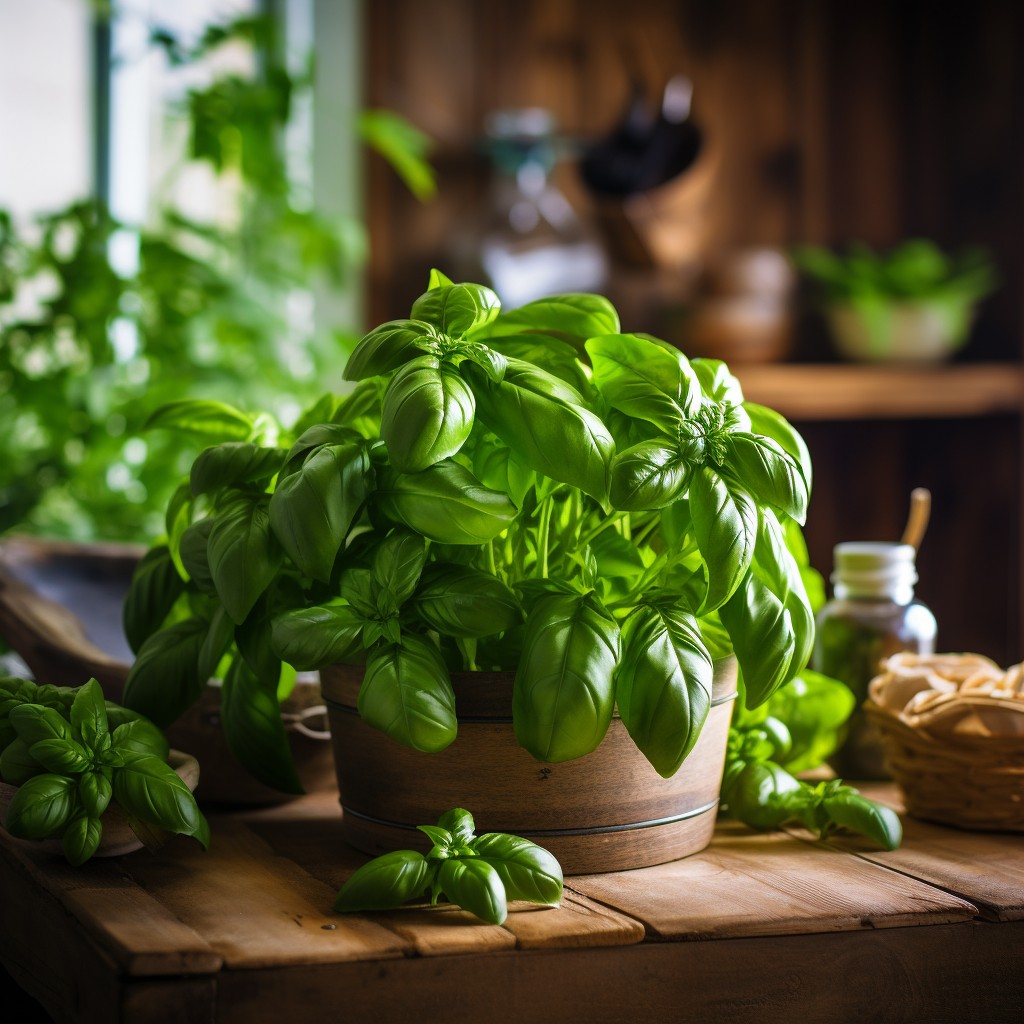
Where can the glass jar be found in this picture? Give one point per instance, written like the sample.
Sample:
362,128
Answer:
872,616
529,242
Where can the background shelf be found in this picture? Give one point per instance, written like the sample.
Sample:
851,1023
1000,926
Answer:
855,392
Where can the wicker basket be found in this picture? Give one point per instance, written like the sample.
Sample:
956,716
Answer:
976,783
952,728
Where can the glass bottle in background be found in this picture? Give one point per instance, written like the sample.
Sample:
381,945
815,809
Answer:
530,242
872,616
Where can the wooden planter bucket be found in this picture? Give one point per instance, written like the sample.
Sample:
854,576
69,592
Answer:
607,811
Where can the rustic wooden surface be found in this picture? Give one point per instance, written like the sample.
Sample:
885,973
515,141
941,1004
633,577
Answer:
757,927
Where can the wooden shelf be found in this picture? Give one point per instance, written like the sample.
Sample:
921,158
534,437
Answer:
852,392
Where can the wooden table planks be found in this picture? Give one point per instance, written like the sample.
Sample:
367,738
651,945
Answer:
748,884
245,932
984,868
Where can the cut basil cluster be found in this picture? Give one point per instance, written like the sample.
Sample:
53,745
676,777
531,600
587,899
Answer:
70,753
478,873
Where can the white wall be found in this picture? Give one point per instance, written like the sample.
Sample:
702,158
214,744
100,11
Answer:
45,104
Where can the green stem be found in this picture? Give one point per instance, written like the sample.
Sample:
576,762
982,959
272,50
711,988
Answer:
543,527
586,538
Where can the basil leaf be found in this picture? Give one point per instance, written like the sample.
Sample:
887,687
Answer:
202,418
244,555
447,504
164,679
493,362
194,554
762,633
769,423
642,379
459,601
176,521
650,475
717,382
768,473
397,564
310,638
156,585
427,415
140,737
89,714
357,587
776,567
563,694
385,882
761,794
62,756
81,838
527,871
848,809
150,790
311,510
389,346
17,765
34,723
440,837
725,525
232,464
406,693
814,708
475,886
94,793
361,410
663,684
255,733
41,807
457,308
561,440
558,357
317,436
220,633
575,316
459,822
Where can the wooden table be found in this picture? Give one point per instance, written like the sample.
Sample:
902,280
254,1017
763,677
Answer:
758,928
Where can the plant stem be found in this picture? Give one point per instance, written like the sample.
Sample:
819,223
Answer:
586,538
543,527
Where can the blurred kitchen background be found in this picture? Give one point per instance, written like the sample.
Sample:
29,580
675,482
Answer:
829,196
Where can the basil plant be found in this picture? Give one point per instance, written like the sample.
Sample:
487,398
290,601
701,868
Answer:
528,490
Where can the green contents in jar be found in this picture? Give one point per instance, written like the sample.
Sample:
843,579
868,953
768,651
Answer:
872,616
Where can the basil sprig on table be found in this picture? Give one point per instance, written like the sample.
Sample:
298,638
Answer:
74,754
793,732
527,490
478,873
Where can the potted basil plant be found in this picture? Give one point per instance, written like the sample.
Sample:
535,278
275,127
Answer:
527,518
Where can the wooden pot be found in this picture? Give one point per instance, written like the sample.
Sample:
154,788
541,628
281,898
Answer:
607,811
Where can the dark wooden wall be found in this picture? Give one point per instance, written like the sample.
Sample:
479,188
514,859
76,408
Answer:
824,122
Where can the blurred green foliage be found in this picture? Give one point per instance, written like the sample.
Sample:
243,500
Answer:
87,352
917,272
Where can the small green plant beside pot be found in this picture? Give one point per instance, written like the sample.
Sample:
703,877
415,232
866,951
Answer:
914,304
67,755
